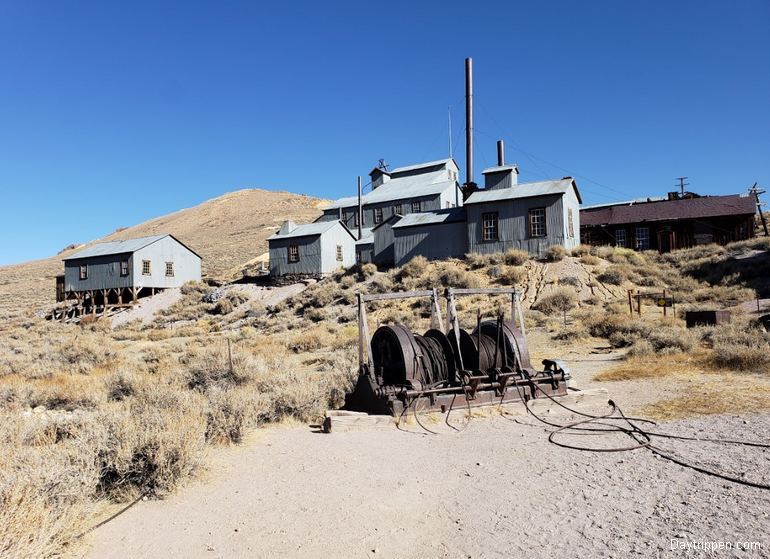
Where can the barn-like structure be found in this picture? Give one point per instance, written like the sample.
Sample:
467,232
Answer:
120,272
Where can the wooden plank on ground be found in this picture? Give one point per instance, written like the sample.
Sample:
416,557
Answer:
363,422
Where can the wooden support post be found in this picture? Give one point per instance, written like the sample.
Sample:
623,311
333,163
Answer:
664,302
360,330
521,317
435,312
630,304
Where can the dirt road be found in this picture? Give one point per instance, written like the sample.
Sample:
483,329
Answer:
498,489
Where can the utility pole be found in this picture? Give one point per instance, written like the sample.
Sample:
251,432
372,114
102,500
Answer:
682,184
756,192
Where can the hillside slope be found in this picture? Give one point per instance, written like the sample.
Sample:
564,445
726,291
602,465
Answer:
226,231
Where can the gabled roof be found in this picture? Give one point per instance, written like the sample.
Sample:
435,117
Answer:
122,247
450,215
526,190
308,230
367,237
401,188
423,165
393,218
665,210
500,169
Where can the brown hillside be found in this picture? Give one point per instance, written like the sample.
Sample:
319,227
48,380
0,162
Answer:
227,232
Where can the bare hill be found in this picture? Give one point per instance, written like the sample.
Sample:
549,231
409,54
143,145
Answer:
228,232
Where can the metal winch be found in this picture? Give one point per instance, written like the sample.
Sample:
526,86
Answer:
445,368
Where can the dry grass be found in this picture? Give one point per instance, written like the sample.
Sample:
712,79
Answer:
653,366
725,396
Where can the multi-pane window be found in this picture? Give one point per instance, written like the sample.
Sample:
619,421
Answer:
83,271
620,238
339,253
293,253
489,226
377,215
642,238
537,222
124,267
169,269
399,209
146,269
416,207
570,223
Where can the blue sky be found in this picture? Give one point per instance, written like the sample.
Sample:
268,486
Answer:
112,113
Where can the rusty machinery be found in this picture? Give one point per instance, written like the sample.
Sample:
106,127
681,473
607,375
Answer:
448,366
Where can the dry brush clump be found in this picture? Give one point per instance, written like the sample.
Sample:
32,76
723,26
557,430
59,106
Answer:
560,300
741,349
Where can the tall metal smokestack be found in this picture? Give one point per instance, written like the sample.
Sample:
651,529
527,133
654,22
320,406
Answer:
360,210
469,121
500,153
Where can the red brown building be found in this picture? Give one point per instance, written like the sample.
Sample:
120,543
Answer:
669,224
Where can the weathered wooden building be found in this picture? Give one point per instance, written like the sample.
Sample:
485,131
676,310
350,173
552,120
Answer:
311,250
436,235
119,272
669,224
531,216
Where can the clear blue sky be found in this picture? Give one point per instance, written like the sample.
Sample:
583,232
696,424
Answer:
112,113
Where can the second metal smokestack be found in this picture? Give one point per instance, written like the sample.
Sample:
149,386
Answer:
500,153
360,210
469,121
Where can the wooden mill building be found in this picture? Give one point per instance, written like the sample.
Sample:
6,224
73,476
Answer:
120,272
669,224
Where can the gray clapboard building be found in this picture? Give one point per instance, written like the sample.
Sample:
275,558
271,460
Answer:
311,250
120,272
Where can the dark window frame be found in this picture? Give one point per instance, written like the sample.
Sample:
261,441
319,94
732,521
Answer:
340,255
398,209
171,264
490,227
292,253
146,267
377,216
124,269
536,226
416,204
83,272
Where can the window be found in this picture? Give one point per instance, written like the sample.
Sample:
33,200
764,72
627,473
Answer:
339,253
146,270
399,209
124,268
377,215
169,269
489,226
358,257
570,223
355,219
293,253
620,238
642,238
537,222
416,207
83,271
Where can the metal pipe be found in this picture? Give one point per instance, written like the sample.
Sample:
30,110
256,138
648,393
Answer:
360,210
468,120
500,153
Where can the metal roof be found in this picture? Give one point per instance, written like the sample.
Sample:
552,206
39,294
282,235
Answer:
119,247
367,237
500,169
422,165
306,230
401,188
625,202
431,218
526,190
666,210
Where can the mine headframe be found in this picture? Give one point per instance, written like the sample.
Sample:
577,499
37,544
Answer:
448,366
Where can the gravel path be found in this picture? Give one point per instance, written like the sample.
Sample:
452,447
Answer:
498,489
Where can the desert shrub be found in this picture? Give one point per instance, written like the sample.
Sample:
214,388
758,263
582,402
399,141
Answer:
195,288
216,367
555,253
495,271
571,332
515,257
604,325
512,275
672,338
120,385
614,275
640,348
365,271
416,268
236,297
569,280
347,281
475,260
590,259
559,300
323,293
454,276
230,413
222,307
315,315
381,283
741,349
581,250
310,340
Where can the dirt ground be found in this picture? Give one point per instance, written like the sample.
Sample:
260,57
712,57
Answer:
497,489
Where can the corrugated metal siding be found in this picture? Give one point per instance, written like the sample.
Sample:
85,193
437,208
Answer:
104,271
513,225
329,241
570,201
187,266
434,242
493,181
309,256
383,254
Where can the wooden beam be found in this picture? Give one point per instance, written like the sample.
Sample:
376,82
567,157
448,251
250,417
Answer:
398,295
